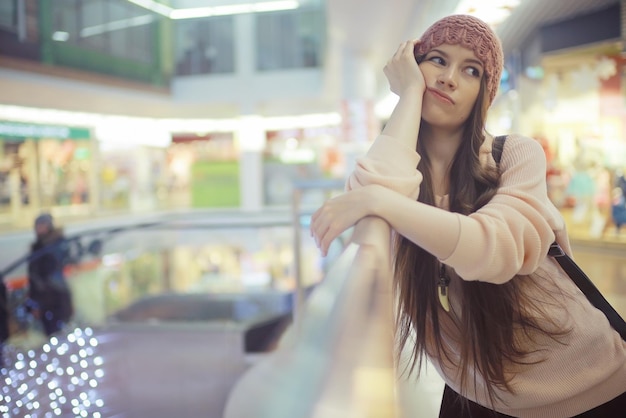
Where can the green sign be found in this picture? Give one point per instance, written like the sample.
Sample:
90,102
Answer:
34,131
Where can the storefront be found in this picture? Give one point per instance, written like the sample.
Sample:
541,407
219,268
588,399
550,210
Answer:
574,103
44,167
131,169
299,156
203,171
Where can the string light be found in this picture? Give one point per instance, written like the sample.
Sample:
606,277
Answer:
60,378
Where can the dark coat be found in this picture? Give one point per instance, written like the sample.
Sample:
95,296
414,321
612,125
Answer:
4,313
618,212
47,283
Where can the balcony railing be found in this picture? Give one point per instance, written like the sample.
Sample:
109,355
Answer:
209,348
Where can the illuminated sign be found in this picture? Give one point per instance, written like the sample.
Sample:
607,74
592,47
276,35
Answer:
33,131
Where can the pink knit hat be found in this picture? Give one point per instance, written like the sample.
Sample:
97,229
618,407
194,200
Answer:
471,33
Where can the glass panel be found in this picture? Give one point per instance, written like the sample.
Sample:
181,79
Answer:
65,20
134,38
114,27
92,17
113,271
205,46
291,39
133,43
8,15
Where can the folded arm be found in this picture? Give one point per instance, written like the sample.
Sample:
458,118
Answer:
508,236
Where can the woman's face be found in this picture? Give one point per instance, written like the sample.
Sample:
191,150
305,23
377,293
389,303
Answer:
453,77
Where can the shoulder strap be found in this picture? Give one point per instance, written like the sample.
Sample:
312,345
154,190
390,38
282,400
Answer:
497,148
585,284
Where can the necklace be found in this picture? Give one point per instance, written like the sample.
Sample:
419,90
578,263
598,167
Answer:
442,284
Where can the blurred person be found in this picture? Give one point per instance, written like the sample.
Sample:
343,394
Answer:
620,180
601,204
581,189
618,209
469,228
49,292
4,319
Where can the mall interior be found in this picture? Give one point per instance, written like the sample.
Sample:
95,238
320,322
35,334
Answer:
182,146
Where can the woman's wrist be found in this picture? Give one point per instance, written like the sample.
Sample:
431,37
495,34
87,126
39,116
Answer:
376,200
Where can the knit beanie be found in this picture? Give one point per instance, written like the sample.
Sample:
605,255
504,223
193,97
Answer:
471,33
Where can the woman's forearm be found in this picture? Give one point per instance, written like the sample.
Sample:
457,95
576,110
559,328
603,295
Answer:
404,122
433,229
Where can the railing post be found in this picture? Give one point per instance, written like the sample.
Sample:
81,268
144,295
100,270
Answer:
296,213
297,249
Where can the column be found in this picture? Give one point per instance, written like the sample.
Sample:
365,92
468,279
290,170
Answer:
251,140
360,124
250,135
358,93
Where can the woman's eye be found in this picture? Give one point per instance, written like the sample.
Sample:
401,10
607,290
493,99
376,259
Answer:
474,72
437,60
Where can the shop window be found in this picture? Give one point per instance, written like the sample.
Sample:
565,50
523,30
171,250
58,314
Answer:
64,169
205,46
290,39
8,15
114,27
202,171
13,179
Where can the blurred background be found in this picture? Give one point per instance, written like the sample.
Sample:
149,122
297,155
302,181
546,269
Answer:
182,145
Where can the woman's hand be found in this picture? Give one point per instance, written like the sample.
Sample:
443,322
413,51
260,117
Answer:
338,214
402,70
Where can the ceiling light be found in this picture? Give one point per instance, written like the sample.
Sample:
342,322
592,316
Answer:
209,11
60,36
272,6
116,25
231,9
493,12
153,6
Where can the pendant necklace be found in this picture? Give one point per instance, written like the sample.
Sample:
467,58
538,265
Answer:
442,284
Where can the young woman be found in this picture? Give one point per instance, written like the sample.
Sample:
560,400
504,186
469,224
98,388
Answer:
478,295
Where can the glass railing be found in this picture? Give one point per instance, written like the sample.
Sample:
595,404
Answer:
167,316
337,359
206,317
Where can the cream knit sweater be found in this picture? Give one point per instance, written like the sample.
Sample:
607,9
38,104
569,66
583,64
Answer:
507,237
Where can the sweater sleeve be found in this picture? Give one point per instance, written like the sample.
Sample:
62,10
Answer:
511,234
401,176
375,167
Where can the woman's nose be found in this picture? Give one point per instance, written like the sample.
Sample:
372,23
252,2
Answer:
447,77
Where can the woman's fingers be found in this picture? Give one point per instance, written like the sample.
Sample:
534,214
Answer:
331,220
404,48
402,70
338,214
321,227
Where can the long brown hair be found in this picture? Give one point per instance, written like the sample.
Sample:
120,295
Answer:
490,313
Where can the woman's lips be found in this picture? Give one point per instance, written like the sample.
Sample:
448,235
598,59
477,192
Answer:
441,96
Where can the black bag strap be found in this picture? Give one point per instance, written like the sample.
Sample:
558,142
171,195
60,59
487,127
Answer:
570,267
497,148
585,284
